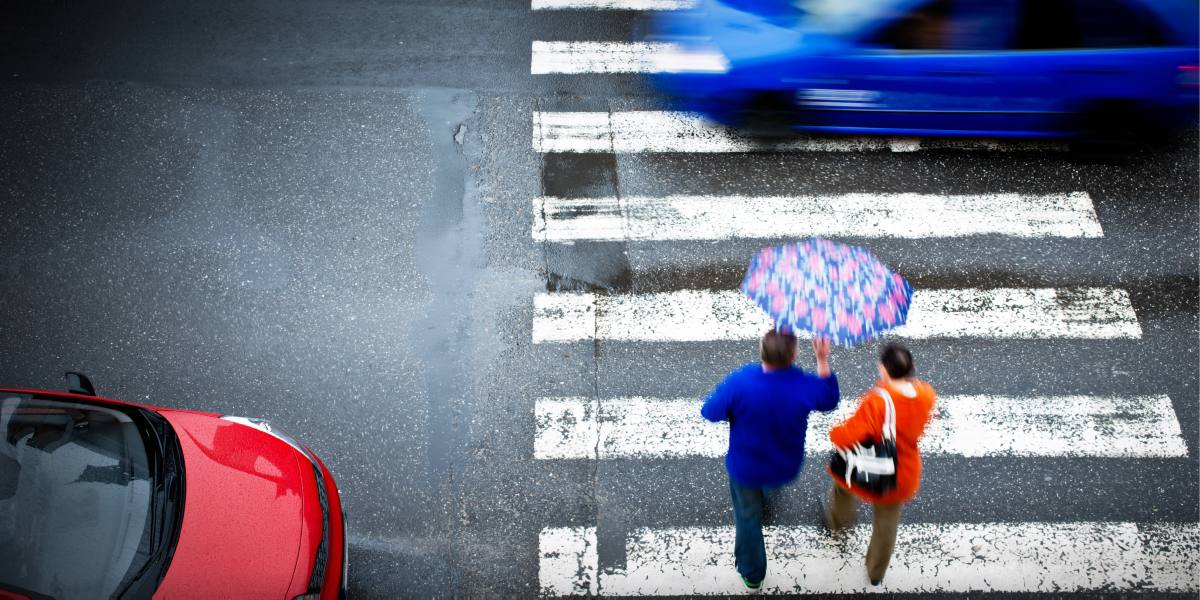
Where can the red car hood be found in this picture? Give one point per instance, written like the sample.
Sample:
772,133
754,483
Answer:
243,516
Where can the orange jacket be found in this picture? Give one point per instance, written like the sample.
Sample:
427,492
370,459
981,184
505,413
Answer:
914,407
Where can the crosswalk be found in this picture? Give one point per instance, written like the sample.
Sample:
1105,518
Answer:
984,425
1060,556
659,131
638,5
640,218
711,315
620,57
931,558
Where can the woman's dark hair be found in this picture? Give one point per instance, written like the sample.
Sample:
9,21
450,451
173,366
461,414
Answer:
778,349
896,360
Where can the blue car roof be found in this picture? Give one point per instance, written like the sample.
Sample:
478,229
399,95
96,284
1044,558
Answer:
1180,16
850,17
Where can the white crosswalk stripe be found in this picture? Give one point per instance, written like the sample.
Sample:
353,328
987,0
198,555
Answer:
594,57
913,216
635,5
1075,426
705,315
591,57
655,5
667,131
619,57
929,558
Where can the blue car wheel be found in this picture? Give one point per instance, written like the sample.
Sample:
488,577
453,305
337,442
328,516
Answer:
769,115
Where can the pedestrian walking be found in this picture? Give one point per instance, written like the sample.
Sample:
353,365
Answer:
914,403
767,406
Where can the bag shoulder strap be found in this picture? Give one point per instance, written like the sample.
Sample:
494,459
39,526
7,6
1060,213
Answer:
889,420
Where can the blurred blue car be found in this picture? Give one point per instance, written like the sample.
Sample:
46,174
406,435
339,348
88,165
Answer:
1104,69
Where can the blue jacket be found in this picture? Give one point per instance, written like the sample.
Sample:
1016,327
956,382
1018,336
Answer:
768,420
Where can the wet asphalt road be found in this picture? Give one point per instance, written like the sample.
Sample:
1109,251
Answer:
319,213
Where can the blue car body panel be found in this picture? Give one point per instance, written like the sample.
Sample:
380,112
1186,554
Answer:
842,80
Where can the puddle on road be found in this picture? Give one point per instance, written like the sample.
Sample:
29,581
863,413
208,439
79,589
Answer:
449,254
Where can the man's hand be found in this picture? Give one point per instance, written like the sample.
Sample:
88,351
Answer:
821,348
821,351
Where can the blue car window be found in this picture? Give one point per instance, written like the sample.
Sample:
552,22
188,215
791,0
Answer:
1047,25
949,25
1074,24
1115,24
981,25
923,28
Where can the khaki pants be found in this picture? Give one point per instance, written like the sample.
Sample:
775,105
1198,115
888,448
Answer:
842,511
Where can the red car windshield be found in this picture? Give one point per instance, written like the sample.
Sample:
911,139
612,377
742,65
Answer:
75,490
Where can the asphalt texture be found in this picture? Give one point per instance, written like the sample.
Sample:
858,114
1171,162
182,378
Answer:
319,213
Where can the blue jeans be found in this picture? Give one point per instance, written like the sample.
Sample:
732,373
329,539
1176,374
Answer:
749,550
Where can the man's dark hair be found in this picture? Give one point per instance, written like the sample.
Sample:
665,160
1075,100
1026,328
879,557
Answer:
896,360
778,349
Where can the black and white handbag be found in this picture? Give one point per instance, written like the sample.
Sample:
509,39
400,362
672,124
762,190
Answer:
871,464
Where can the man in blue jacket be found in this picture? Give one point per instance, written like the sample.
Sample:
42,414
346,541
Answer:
767,406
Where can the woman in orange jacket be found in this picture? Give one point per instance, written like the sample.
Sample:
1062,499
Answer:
914,401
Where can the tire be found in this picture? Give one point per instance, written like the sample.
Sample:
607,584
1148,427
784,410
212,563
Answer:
1111,128
770,116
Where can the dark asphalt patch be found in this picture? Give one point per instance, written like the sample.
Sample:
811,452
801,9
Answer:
584,265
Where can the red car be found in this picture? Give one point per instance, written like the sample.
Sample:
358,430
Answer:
107,499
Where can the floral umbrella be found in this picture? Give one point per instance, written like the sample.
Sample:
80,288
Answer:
828,289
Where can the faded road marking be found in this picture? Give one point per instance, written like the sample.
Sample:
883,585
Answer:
929,558
669,428
639,218
667,131
708,315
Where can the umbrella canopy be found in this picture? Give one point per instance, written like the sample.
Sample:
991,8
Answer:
828,289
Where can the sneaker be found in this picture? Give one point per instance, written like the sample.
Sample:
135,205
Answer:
873,580
753,586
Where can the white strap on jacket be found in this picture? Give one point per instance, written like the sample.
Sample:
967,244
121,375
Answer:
889,420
